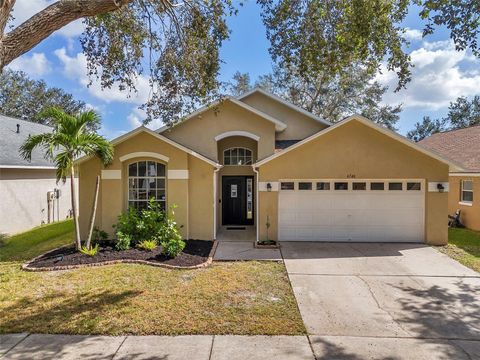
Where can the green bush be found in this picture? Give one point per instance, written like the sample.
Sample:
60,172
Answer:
123,241
170,238
99,235
90,252
147,245
142,224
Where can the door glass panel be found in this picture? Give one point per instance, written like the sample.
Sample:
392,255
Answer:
414,186
233,191
377,186
304,186
323,186
249,199
341,186
395,186
359,186
287,185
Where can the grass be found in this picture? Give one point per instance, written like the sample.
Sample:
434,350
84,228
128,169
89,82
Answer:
26,245
225,298
464,246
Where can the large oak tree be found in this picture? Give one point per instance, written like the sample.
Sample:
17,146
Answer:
177,43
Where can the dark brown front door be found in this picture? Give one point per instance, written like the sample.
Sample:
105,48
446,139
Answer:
237,200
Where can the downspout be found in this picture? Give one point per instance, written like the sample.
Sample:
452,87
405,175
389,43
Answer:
256,201
215,181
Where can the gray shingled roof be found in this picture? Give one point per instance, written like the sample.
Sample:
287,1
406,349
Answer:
10,142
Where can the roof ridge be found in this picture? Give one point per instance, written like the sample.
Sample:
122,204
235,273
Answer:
24,120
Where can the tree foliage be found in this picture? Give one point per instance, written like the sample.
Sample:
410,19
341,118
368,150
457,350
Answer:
25,98
462,113
331,98
176,45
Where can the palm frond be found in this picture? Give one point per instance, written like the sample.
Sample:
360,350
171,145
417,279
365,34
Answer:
94,144
32,142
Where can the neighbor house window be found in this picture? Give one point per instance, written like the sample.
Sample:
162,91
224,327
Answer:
467,191
237,156
146,180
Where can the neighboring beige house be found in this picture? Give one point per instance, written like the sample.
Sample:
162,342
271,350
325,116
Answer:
463,147
241,161
28,190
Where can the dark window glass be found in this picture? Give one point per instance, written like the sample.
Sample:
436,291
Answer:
359,186
323,186
395,186
467,196
287,186
160,169
142,168
413,186
304,186
132,169
377,186
341,186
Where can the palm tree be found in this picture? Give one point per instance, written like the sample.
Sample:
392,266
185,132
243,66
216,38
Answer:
70,139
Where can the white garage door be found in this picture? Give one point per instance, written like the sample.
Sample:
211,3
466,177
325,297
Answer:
352,210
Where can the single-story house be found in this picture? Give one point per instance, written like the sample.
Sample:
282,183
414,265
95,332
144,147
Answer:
463,147
29,193
258,159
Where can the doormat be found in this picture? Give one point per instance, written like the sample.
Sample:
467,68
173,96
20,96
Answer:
235,227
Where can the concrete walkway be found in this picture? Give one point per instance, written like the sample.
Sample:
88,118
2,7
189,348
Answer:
195,347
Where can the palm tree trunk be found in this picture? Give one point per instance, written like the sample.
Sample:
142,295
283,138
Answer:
78,240
94,213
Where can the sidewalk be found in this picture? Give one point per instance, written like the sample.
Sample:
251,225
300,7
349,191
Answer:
193,347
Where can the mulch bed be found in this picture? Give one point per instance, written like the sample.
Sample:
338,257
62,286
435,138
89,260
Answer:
197,253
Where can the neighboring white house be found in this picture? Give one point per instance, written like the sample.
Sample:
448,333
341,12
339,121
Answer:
29,193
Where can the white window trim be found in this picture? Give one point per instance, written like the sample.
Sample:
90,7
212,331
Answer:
141,154
350,182
237,133
237,147
465,202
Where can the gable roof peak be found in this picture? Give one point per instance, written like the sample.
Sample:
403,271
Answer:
281,100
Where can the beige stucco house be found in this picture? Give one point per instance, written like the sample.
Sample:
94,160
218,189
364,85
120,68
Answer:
463,147
246,161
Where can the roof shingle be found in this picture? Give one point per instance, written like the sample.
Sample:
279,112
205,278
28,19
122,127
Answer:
11,141
461,146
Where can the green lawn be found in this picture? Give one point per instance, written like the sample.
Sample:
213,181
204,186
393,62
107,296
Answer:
464,246
32,243
225,298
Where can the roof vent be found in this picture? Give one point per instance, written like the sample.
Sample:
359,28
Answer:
18,128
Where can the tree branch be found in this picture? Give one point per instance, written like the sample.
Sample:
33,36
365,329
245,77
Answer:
5,9
44,23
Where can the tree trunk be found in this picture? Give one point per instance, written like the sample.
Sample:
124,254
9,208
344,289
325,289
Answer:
78,240
94,213
41,25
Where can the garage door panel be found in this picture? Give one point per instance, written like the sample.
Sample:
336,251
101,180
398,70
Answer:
385,216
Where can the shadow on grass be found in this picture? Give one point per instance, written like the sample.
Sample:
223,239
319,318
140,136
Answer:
62,314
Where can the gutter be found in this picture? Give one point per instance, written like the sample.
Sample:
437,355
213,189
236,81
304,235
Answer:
256,202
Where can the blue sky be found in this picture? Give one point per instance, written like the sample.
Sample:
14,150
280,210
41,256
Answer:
441,74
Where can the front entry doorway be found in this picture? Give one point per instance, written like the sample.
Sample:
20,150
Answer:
237,200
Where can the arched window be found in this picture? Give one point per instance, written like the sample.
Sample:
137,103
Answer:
146,180
237,156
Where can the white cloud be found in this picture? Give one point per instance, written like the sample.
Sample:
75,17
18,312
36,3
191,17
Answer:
439,77
75,68
413,34
25,9
137,116
35,65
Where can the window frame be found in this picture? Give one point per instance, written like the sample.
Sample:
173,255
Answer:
244,157
462,191
135,201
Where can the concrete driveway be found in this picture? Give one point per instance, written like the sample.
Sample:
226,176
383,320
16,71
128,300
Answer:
385,301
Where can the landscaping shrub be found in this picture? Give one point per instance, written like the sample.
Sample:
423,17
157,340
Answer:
147,245
142,224
123,241
170,238
99,235
90,252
